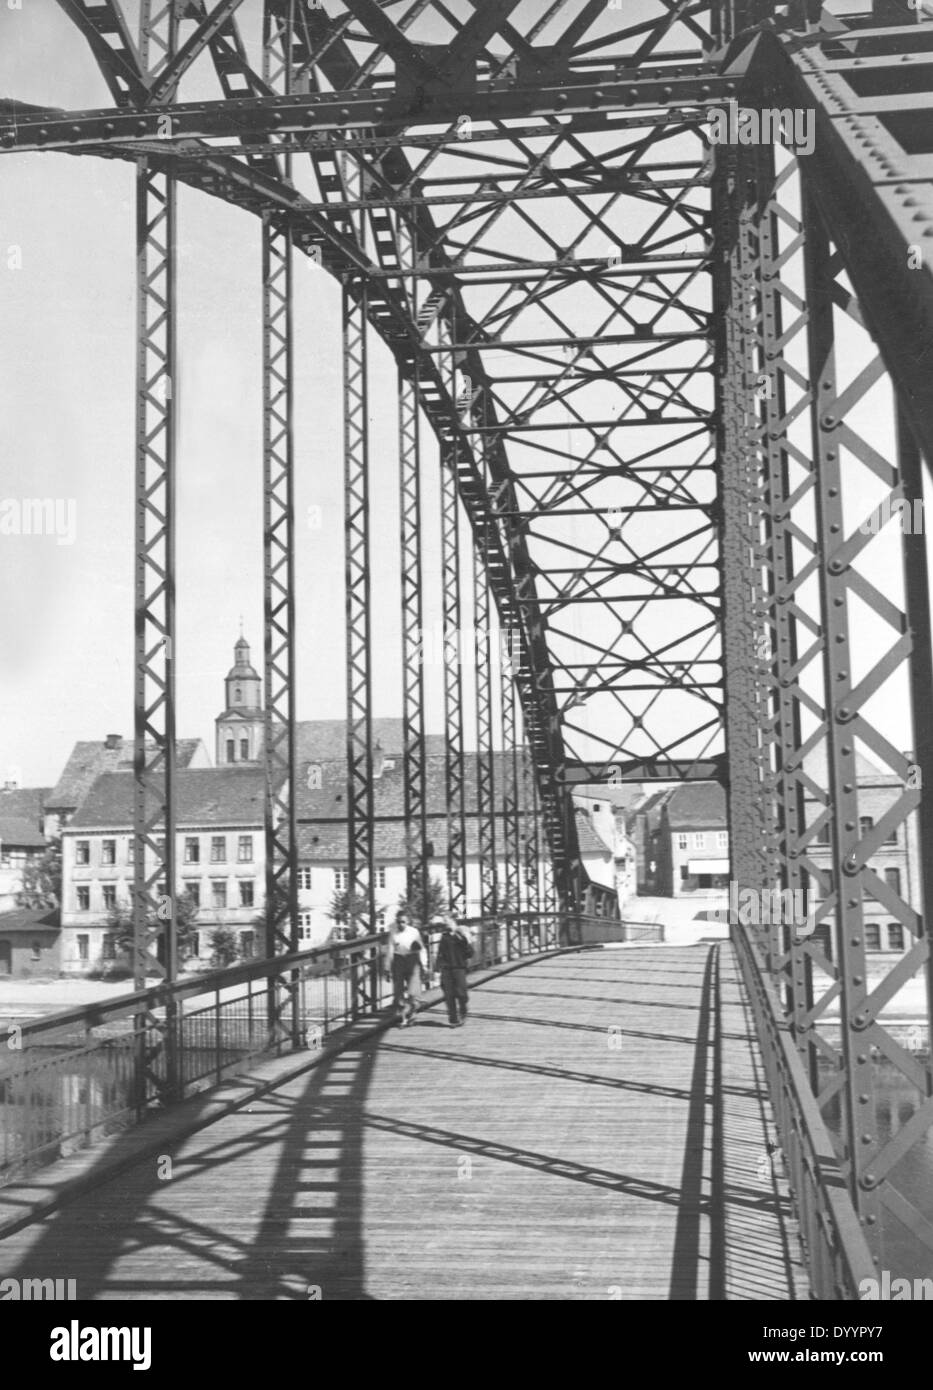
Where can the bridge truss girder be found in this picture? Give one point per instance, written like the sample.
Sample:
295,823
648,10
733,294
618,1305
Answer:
760,546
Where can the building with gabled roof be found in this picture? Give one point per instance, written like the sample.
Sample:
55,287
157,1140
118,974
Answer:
90,759
220,839
21,838
693,840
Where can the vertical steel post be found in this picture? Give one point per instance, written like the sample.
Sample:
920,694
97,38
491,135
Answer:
917,605
857,1094
454,775
279,753
415,789
790,957
510,823
154,881
361,878
485,740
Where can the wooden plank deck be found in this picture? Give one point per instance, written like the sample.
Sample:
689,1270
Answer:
596,1130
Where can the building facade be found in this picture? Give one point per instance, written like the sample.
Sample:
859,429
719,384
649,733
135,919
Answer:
692,854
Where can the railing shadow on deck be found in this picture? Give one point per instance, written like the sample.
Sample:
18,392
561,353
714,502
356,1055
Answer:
79,1076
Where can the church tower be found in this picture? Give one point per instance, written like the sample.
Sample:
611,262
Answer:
240,727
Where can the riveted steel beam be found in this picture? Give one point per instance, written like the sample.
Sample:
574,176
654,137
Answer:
155,887
279,741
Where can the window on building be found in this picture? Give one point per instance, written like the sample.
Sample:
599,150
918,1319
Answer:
380,876
681,842
231,751
341,879
684,873
218,849
161,890
304,926
192,849
823,939
699,840
109,947
131,851
247,944
244,849
892,878
246,892
84,948
895,936
865,824
82,851
872,936
219,892
110,896
84,899
108,851
826,834
193,890
160,846
194,944
722,839
891,837
595,805
244,749
381,918
36,950
304,878
829,880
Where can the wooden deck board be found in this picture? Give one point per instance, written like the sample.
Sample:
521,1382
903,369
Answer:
534,1153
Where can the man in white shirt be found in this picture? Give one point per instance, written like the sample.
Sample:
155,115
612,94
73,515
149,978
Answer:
407,961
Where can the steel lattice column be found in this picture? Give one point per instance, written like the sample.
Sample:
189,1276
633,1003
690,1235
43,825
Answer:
510,825
361,879
454,779
154,881
416,834
154,757
790,959
281,841
857,1095
736,446
485,774
532,855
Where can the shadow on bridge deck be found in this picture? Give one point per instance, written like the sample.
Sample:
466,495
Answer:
597,1130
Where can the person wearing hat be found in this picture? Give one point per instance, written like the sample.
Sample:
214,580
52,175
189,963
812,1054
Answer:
452,958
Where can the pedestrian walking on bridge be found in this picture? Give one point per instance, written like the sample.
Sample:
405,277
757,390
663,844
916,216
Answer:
452,957
407,960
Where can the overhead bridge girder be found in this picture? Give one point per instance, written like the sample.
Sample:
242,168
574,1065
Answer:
654,555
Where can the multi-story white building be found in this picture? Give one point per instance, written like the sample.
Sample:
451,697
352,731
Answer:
220,861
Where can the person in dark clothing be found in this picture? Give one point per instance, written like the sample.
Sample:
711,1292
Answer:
453,956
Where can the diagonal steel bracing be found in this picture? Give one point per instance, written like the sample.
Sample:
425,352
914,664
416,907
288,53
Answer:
279,751
154,878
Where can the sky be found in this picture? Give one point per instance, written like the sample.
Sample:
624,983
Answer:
67,417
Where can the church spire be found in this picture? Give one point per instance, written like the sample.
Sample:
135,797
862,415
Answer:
240,727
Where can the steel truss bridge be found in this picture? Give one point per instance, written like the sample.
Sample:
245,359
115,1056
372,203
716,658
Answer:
673,389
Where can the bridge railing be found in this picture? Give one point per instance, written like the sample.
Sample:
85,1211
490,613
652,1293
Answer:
836,1252
71,1078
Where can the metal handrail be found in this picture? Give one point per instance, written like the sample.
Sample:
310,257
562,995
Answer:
836,1251
70,1078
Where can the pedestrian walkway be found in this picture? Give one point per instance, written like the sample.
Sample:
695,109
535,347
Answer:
599,1129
